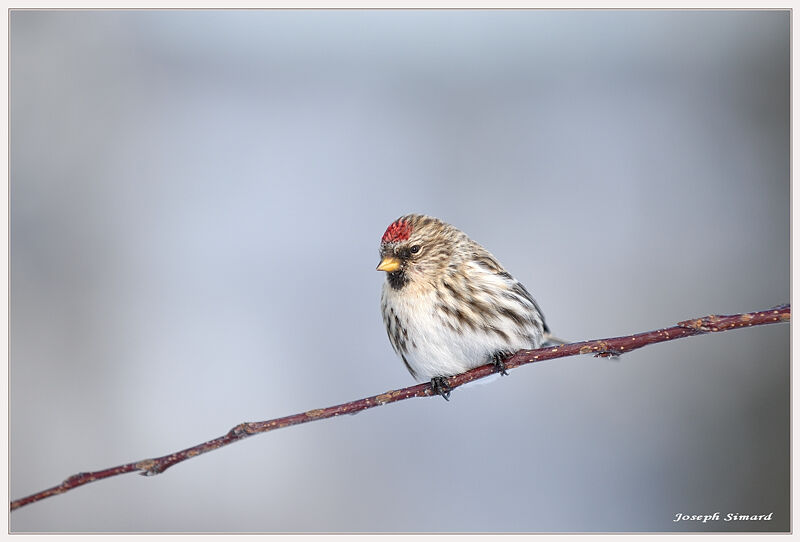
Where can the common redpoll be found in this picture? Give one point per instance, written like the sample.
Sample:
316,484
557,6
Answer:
448,304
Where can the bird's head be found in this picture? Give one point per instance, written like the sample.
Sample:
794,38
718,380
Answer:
415,249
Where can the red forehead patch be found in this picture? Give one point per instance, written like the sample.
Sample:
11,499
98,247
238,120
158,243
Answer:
399,230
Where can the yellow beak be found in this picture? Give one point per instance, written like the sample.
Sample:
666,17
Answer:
389,264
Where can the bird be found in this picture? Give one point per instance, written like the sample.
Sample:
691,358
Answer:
449,305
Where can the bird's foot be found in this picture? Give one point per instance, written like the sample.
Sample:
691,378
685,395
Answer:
439,386
498,360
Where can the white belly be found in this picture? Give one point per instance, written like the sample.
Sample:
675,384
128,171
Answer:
436,345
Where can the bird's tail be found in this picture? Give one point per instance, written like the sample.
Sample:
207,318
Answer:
552,340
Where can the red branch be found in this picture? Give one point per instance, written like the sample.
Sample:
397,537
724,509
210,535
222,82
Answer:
604,348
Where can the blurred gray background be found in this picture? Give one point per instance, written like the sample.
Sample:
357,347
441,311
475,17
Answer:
196,204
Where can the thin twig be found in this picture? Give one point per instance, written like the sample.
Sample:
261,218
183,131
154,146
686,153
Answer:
604,347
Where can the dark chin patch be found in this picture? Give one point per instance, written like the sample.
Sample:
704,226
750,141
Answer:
397,279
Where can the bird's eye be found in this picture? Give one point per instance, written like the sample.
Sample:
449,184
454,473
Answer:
415,249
